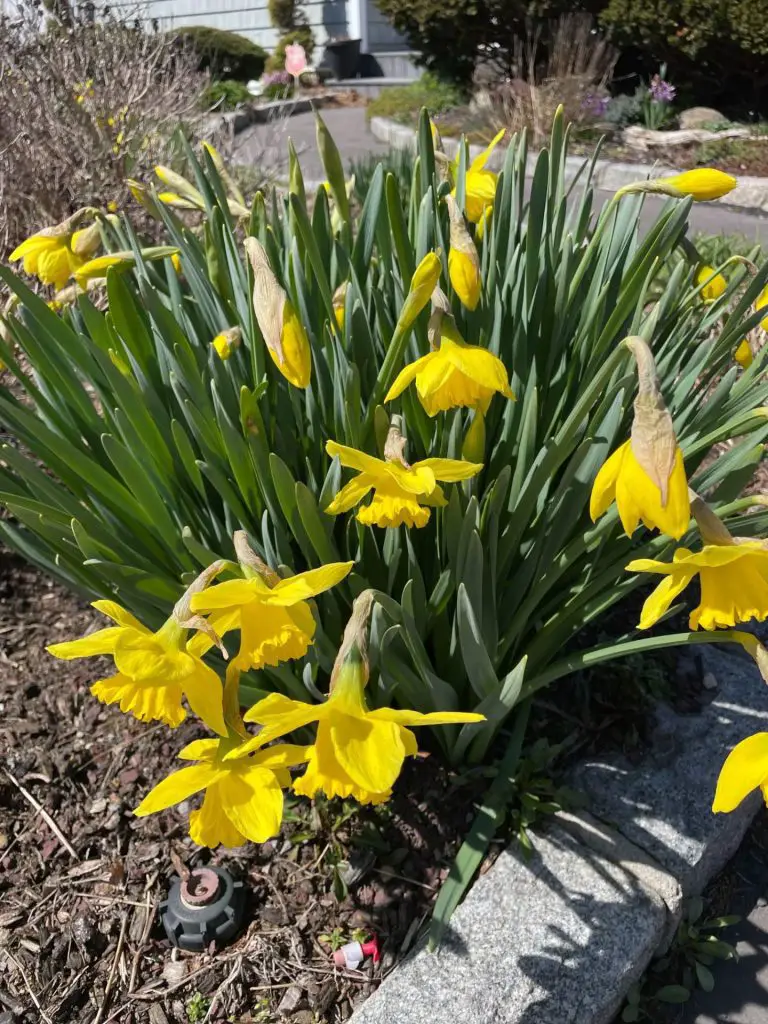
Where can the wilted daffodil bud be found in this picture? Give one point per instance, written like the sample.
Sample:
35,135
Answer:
463,261
646,475
225,343
283,334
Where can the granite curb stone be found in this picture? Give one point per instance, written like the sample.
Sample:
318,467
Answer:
557,937
751,193
562,936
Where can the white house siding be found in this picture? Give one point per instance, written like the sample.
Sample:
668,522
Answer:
326,18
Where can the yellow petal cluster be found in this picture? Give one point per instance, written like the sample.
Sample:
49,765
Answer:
711,285
155,671
733,579
401,493
480,187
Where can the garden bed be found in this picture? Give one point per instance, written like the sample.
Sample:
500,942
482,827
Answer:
80,905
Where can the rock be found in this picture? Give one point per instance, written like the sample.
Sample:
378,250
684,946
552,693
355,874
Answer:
663,804
556,938
291,999
700,117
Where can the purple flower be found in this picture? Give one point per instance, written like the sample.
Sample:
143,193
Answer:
276,78
595,105
661,91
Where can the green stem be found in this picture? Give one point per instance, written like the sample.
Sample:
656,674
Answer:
585,659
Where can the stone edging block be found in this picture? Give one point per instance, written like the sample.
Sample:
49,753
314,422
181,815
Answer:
562,936
750,194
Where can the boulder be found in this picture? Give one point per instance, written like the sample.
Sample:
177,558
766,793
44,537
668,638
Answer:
700,117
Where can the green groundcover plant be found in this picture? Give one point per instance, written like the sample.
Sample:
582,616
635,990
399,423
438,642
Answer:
409,514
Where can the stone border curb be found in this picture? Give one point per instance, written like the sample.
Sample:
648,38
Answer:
262,113
750,195
562,935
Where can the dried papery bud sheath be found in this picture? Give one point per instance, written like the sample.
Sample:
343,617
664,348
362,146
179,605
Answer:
711,527
463,261
249,560
654,444
86,241
284,336
353,652
227,341
394,446
441,308
182,610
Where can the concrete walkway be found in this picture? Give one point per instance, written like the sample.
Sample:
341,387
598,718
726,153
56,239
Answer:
265,145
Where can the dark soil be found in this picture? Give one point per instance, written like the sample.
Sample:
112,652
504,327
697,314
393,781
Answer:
78,904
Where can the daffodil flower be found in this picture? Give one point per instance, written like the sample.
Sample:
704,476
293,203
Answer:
760,303
455,375
645,476
480,185
400,491
283,333
733,579
243,795
357,752
275,621
745,769
55,253
154,670
712,285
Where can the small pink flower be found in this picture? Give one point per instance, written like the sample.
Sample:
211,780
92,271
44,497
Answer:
295,59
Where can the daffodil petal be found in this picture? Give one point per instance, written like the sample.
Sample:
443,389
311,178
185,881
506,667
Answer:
745,768
101,642
350,495
370,752
307,584
253,802
118,614
176,787
450,470
659,601
407,375
604,488
428,718
282,755
227,595
210,826
199,750
205,694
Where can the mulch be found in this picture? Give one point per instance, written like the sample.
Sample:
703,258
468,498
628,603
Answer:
81,878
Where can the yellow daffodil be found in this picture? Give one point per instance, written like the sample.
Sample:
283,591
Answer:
463,261
243,796
745,769
176,262
273,615
225,343
480,183
400,491
702,184
743,354
733,579
283,333
645,476
711,287
154,670
357,752
456,374
51,255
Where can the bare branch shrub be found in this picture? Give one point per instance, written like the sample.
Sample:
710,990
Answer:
83,107
568,63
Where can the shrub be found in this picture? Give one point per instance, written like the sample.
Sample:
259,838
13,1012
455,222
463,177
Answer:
277,85
718,49
226,94
286,14
83,108
302,35
224,54
480,572
403,102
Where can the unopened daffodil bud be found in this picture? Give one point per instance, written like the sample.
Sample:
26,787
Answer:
473,448
702,183
86,241
225,343
463,261
339,303
144,197
237,204
125,258
178,189
423,283
283,333
743,354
